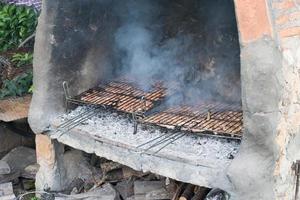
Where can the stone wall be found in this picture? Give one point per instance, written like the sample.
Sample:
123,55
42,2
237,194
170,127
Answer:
288,129
67,48
287,25
270,85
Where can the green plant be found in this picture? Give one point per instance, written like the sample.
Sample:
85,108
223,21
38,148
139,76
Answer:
21,59
35,198
18,86
16,24
31,89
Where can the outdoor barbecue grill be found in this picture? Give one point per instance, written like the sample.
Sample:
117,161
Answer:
215,118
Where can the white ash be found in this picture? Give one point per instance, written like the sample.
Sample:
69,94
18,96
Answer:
118,128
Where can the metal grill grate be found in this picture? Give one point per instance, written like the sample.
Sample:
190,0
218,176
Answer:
206,116
219,118
123,96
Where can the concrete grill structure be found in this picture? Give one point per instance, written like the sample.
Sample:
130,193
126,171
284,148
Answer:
73,45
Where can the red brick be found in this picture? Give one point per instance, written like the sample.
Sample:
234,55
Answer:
290,32
253,19
283,19
45,149
284,5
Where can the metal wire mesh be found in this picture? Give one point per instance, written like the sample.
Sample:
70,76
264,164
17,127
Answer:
207,116
123,97
219,118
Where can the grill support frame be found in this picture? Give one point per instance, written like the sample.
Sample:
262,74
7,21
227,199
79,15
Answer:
180,114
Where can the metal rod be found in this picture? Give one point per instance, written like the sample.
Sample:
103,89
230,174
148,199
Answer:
75,124
75,118
297,187
70,128
175,139
135,123
76,101
166,139
135,127
67,96
152,140
80,120
66,90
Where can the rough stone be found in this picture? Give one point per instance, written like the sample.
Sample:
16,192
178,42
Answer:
158,194
128,173
125,188
144,187
6,191
58,59
4,168
149,190
72,165
18,159
109,166
288,136
107,192
76,186
50,158
136,197
202,175
260,72
207,167
77,167
30,171
10,140
28,184
119,174
114,175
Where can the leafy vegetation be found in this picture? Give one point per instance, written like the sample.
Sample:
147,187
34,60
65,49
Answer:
22,59
16,24
18,86
35,198
31,89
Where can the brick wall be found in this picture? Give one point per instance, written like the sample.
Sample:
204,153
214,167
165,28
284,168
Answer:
253,20
287,17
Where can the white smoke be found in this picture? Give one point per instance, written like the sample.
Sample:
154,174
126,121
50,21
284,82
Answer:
197,67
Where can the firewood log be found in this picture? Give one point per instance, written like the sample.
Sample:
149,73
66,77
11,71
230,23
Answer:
200,193
188,193
179,190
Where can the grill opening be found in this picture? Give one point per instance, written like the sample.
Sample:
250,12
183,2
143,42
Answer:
172,64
